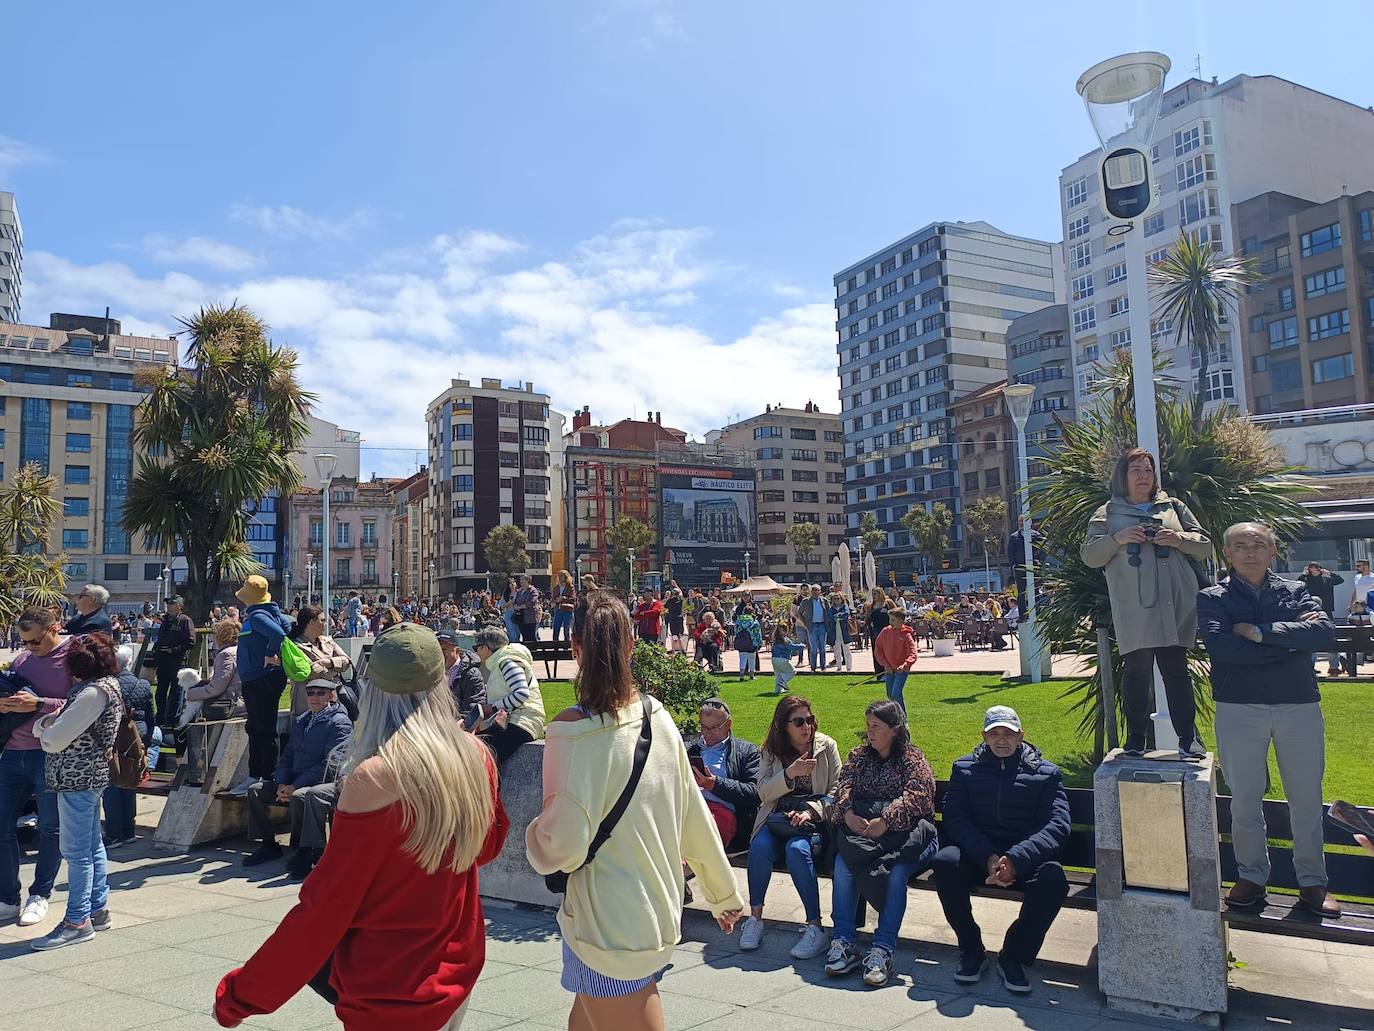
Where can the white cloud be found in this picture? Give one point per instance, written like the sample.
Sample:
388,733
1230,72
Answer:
615,324
14,153
286,221
199,250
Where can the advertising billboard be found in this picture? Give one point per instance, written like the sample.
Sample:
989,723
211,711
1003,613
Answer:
706,518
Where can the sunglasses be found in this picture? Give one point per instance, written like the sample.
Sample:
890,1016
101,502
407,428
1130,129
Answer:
32,643
318,692
803,721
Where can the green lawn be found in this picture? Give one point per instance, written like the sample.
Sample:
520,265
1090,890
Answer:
946,712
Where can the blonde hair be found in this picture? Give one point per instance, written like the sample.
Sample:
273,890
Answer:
443,775
226,632
878,596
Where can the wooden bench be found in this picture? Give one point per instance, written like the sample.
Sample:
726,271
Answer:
550,652
1353,642
1348,874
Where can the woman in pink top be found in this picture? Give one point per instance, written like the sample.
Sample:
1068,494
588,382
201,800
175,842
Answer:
895,650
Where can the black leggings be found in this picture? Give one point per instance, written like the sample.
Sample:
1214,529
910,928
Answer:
1137,680
505,741
261,698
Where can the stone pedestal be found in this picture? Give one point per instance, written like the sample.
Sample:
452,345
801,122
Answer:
193,815
1162,947
509,876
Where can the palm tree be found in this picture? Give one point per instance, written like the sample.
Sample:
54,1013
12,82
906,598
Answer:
28,511
216,437
1195,288
1222,466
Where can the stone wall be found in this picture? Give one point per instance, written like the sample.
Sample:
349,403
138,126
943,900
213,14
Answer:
508,876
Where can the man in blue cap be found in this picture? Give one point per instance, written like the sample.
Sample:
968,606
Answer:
1005,818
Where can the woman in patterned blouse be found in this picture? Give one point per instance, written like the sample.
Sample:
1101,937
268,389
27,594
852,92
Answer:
885,790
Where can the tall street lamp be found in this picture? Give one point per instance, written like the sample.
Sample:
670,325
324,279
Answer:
1123,96
395,585
167,589
432,569
746,565
325,465
1019,397
310,579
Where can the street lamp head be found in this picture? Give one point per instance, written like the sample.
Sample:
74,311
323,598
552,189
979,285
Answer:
325,464
1123,96
1019,397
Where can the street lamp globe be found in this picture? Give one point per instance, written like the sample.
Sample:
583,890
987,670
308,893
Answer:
1019,397
325,464
1123,96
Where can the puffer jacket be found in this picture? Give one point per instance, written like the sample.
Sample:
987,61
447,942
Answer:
1015,807
313,736
264,626
138,699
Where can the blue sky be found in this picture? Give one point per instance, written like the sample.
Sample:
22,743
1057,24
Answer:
637,204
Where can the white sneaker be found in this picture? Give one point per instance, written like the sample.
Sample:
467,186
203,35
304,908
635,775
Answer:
752,934
813,942
8,912
35,909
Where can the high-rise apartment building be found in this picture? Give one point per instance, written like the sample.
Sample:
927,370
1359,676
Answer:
491,458
1214,146
1039,352
987,465
69,406
11,258
799,461
1309,328
922,322
409,534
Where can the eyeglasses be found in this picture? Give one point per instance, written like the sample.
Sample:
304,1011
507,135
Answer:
32,642
318,692
802,721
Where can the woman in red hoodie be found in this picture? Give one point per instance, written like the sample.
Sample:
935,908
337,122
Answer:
895,651
389,925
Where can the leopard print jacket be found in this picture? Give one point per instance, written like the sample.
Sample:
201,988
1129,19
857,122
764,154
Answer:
84,765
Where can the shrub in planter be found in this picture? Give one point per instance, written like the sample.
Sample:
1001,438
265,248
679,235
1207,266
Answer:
675,680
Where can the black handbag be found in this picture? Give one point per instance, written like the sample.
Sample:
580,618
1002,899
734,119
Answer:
348,692
1204,578
557,882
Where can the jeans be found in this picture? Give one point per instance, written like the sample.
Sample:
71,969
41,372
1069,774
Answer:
800,852
562,624
168,701
120,807
748,662
1138,677
21,774
815,641
1299,735
512,628
261,698
895,680
844,659
844,899
84,852
1045,890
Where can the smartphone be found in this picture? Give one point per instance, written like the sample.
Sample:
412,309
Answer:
1352,818
697,764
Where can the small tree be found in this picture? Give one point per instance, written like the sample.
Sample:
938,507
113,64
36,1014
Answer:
872,538
504,547
804,538
985,521
930,531
27,513
628,537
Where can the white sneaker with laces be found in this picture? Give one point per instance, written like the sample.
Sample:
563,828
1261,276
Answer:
35,909
751,935
813,942
877,967
8,911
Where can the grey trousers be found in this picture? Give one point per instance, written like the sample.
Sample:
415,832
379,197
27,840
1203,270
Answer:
310,809
1299,736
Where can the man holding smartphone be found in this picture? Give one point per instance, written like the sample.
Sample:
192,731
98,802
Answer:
726,769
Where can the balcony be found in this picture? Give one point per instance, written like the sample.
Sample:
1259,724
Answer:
1087,356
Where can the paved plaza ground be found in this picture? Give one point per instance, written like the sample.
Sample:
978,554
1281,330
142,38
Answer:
181,921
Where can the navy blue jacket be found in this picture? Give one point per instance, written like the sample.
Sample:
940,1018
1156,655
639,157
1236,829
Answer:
264,626
313,737
1278,670
1014,807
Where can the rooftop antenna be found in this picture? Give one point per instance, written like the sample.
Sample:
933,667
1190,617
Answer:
1197,67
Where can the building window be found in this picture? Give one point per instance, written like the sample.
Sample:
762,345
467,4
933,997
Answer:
1188,140
1197,206
35,424
932,322
1327,281
766,454
1080,227
1283,333
76,506
369,533
1256,323
80,379
463,482
1285,376
1084,318
343,535
1119,338
369,570
761,432
970,481
803,455
77,474
78,443
75,570
805,476
78,411
1220,385
1327,238
343,571
76,540
1154,223
1081,255
116,570
1075,193
1119,305
461,431
992,478
1195,170
317,533
1333,323
1116,274
1286,298
1340,366
1081,287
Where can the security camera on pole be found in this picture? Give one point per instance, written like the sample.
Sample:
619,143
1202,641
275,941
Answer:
1123,97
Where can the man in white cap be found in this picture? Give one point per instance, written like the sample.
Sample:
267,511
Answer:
1005,818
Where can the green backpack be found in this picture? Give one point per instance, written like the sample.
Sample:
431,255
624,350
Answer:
293,660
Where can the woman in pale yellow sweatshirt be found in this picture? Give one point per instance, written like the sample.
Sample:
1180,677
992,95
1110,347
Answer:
622,913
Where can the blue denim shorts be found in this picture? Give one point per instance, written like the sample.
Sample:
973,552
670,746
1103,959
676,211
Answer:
583,980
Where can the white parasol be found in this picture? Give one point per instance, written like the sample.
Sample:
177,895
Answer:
844,571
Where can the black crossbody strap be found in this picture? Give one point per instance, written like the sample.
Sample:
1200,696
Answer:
646,738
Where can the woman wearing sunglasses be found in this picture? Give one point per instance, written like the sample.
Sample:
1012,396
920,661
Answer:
797,780
1144,539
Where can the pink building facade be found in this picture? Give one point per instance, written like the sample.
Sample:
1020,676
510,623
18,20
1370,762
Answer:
360,532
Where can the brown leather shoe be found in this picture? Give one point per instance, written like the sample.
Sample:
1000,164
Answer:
1316,900
1245,894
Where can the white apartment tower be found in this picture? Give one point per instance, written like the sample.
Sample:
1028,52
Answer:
11,258
1214,146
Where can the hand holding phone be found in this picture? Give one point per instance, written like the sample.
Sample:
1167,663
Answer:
1352,818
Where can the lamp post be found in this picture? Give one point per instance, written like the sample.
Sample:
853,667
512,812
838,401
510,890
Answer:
167,590
1123,96
286,586
631,560
395,585
1019,397
746,565
325,465
430,594
310,579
